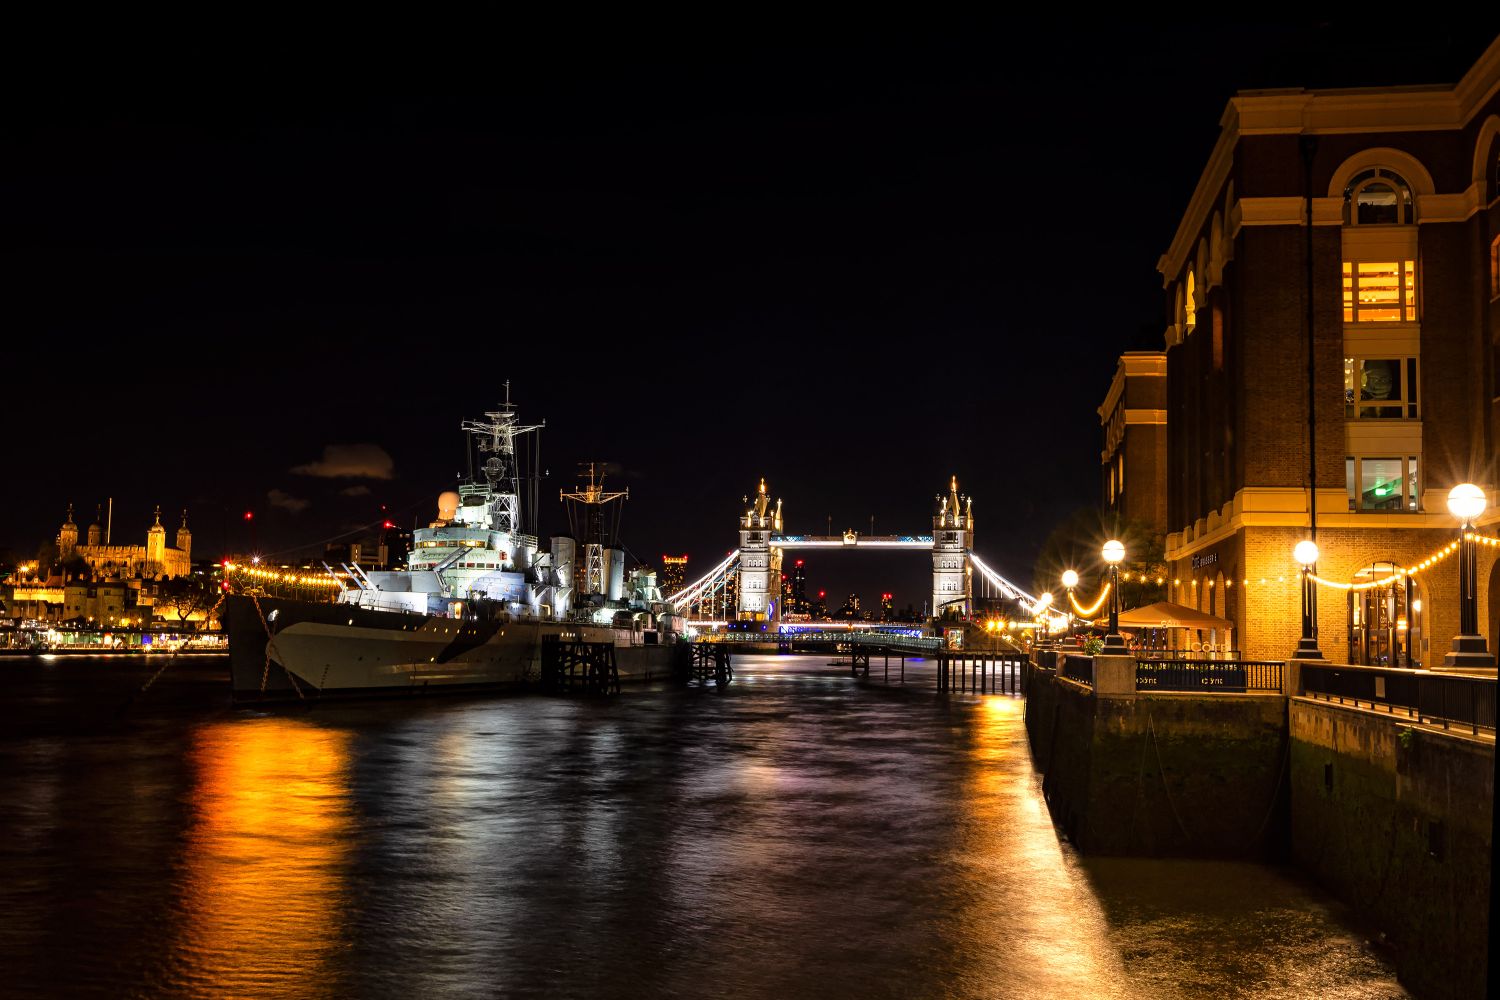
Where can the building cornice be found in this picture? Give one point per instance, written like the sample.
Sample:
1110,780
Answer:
1286,507
1132,364
1327,112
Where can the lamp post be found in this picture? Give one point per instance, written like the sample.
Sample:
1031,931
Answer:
1114,642
1466,502
1306,553
1069,581
1043,606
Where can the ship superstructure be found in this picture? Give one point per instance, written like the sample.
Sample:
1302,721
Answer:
476,600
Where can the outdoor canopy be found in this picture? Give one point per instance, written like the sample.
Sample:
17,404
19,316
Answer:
1165,614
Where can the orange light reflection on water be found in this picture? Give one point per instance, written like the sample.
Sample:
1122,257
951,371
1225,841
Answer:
1031,914
263,866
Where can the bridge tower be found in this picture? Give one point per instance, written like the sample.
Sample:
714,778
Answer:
952,541
760,562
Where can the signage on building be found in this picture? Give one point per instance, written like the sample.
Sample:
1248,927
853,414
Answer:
1207,560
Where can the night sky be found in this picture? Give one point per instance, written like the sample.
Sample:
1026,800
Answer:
852,261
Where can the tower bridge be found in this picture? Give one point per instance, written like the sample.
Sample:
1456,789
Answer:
746,584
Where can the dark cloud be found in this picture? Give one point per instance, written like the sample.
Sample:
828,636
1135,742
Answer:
355,491
350,461
284,500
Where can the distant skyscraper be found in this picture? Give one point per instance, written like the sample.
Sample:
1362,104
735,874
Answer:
799,602
673,574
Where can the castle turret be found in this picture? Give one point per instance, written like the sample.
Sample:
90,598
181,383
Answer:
156,546
67,537
185,539
95,531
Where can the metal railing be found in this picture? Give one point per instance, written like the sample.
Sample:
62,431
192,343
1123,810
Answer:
879,640
1214,655
1208,675
1080,668
1444,699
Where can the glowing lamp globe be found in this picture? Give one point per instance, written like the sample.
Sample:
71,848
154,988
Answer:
1114,552
1305,552
1466,501
1045,600
1070,579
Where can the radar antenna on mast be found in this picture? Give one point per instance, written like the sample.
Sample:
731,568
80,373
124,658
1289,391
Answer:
496,437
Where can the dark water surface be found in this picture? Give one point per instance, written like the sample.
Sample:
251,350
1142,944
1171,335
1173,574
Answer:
802,834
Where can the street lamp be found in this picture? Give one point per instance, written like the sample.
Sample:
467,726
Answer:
1114,642
1306,554
1466,502
1069,581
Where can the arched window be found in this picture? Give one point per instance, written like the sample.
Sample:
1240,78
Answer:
1190,304
1377,197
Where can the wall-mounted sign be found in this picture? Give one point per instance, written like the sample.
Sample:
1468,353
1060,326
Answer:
1205,560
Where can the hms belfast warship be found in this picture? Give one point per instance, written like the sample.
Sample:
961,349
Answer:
473,608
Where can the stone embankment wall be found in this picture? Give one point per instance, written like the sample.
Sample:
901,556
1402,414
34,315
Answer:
1396,820
1162,774
1393,818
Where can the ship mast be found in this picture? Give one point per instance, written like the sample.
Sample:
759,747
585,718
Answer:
496,437
592,498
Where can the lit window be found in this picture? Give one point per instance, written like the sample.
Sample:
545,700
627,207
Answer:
1190,317
1382,484
1377,198
1495,263
1380,291
1384,388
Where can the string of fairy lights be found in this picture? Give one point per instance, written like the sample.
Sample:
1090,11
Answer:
287,576
1398,573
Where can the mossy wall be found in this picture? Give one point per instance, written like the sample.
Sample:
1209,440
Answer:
1396,821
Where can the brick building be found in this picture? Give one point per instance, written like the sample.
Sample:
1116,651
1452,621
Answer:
1403,261
1134,418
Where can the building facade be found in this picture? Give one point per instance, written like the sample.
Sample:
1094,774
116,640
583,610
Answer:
1333,298
154,559
1134,418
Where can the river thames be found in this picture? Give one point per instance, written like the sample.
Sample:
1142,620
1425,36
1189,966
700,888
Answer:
799,834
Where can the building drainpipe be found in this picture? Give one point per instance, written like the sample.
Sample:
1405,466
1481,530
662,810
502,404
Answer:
1309,151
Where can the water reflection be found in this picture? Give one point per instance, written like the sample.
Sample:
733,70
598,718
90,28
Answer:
1030,919
262,883
800,834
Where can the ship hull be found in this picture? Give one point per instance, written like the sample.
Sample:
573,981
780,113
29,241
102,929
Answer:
285,649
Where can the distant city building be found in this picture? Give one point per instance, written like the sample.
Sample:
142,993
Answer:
673,574
154,559
1402,189
1133,461
887,608
800,603
369,554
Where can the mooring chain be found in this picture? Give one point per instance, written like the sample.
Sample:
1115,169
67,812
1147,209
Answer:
265,674
173,655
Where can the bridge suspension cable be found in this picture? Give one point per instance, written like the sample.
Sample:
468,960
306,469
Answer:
707,584
1032,604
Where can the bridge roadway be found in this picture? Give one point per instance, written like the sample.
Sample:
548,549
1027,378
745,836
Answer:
831,639
851,540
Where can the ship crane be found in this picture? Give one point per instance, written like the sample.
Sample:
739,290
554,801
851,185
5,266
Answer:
593,498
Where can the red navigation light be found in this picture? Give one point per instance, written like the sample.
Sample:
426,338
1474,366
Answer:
822,593
799,562
388,525
249,515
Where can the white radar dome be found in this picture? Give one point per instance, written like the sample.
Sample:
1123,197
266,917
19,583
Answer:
447,505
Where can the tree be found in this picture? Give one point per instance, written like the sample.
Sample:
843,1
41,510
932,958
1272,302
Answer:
184,597
1077,544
